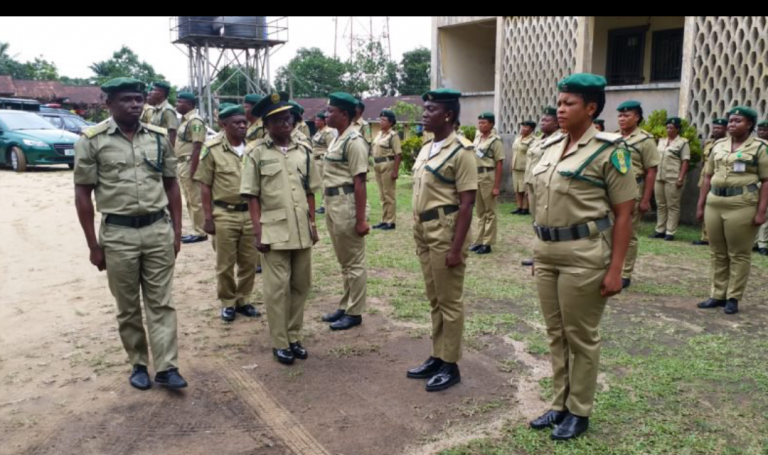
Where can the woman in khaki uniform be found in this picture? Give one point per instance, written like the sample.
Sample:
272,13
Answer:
718,129
584,192
519,151
675,157
489,154
444,187
735,195
386,153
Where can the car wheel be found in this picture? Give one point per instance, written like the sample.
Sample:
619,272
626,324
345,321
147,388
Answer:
18,160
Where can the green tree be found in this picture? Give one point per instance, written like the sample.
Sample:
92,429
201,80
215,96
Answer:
372,70
414,72
231,81
124,63
38,69
312,74
656,124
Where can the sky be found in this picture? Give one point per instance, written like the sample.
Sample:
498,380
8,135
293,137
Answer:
76,42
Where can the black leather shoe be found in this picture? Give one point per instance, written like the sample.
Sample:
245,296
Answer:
763,251
755,248
571,427
711,303
527,262
333,317
258,269
388,227
625,283
194,238
248,310
548,420
379,226
656,235
347,322
700,242
525,212
669,238
516,212
170,379
426,370
228,314
484,249
474,247
732,307
298,351
284,356
140,377
320,211
446,377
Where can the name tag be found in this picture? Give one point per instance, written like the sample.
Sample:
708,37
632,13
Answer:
479,153
739,166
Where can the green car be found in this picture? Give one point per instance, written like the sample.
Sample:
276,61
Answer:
27,140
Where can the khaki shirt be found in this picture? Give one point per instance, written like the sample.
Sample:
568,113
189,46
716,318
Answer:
321,140
126,184
191,130
437,181
255,131
147,111
519,150
535,152
708,145
673,153
220,168
722,165
347,156
645,155
386,144
488,152
299,136
567,201
304,128
364,128
163,116
281,181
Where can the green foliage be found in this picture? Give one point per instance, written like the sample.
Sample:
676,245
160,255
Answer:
414,71
312,74
411,148
38,69
232,81
124,63
656,125
469,131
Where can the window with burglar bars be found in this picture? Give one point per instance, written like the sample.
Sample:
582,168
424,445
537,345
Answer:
667,55
626,50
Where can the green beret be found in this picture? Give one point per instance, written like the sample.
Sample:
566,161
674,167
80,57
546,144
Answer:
763,124
674,121
342,101
163,85
549,110
123,84
582,83
390,115
235,109
442,95
187,96
745,111
321,115
629,105
360,102
598,121
296,107
720,121
271,104
487,116
530,123
252,98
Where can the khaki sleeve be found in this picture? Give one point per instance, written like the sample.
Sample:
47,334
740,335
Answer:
169,158
685,152
762,162
709,166
357,156
169,120
250,184
315,182
497,150
465,171
196,130
620,187
206,168
396,144
650,154
86,166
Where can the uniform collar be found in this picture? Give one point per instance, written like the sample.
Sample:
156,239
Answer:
113,127
190,114
227,145
585,139
164,105
446,142
271,143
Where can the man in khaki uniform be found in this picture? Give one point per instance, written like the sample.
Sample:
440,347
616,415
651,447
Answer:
359,124
162,113
675,156
346,166
444,188
585,192
320,142
226,215
519,151
735,192
645,160
131,168
279,180
489,155
718,130
189,143
761,242
255,125
300,126
386,153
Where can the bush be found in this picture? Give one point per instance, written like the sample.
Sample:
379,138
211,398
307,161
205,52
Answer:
410,148
469,132
656,125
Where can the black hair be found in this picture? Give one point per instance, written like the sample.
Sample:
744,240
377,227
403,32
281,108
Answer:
639,111
455,107
352,113
594,97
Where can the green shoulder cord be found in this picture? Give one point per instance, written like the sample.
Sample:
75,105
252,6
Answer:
436,172
577,175
485,153
343,158
158,166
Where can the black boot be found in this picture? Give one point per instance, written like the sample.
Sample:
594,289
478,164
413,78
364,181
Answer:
140,377
625,283
571,427
347,322
284,356
657,235
447,376
426,370
711,303
732,307
171,379
298,351
333,317
548,420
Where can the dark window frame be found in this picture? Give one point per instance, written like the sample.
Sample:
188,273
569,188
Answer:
660,72
615,34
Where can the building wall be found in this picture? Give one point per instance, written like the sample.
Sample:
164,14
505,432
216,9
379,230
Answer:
653,97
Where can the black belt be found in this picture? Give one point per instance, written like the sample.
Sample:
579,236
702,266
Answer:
728,192
481,170
434,214
134,221
231,207
383,159
579,231
346,189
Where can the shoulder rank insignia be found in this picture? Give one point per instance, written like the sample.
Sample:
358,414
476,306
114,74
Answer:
621,160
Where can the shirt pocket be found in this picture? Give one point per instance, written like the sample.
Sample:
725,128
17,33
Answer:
274,227
272,176
111,163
